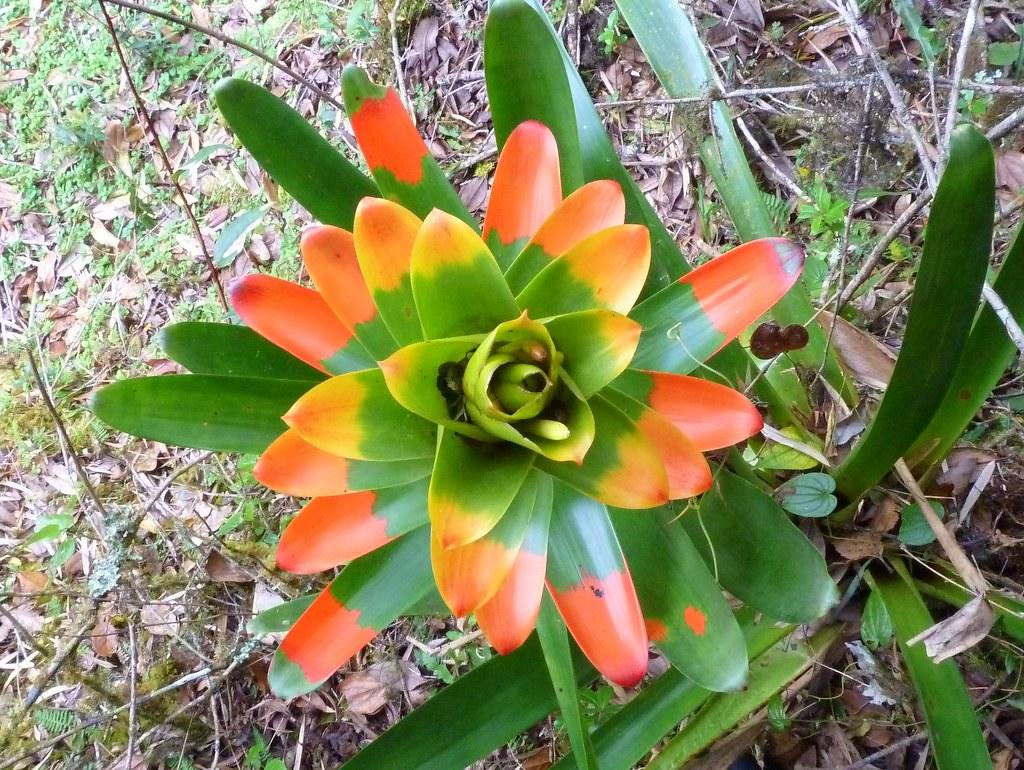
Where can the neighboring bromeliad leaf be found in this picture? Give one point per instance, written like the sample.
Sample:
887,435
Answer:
757,553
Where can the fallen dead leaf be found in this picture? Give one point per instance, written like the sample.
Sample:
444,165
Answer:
104,635
885,515
103,236
370,690
160,619
10,196
1010,170
869,361
959,632
858,545
31,582
962,468
223,570
821,39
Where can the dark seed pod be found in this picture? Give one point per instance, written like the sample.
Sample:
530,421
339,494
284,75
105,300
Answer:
794,337
766,341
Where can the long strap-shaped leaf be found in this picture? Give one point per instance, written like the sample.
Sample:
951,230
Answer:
215,348
624,739
472,717
526,81
988,353
758,554
957,244
956,738
203,411
293,153
685,612
367,595
601,161
678,57
554,641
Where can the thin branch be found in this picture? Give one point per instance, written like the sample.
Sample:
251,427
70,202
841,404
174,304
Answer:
228,40
963,565
132,722
902,111
158,146
63,433
999,307
396,56
22,632
958,74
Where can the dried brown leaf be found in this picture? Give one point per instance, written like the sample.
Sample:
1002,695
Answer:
869,361
1010,170
859,545
959,632
370,690
223,570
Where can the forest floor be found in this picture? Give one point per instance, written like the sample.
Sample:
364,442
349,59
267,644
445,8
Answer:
124,606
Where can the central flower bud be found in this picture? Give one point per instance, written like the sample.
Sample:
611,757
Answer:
513,388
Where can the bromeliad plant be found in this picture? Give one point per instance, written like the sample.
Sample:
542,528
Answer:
493,411
480,407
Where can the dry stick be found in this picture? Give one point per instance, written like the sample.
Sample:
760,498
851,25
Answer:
63,434
777,172
963,565
902,111
958,74
892,748
228,40
397,57
999,307
132,724
140,107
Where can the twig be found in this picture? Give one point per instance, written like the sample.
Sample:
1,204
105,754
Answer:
902,112
964,566
396,55
777,172
63,433
55,665
132,724
228,40
140,107
958,74
1010,123
999,307
892,748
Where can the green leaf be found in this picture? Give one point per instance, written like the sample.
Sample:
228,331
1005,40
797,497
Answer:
686,615
956,739
776,570
466,721
988,353
601,161
554,642
876,628
625,738
772,672
914,528
526,80
293,153
225,414
1005,54
809,494
926,38
279,619
215,348
232,238
957,243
